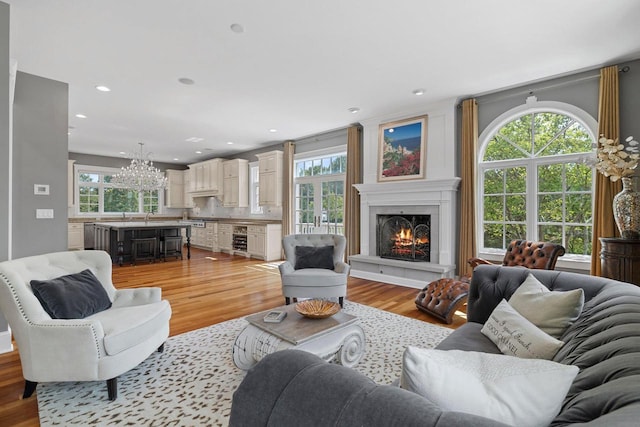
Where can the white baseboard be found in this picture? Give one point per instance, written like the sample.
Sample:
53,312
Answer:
5,342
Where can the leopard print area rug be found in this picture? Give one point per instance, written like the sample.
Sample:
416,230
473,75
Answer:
192,382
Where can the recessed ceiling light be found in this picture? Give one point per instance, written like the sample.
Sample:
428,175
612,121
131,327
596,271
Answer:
81,116
186,81
123,153
237,28
198,152
69,133
194,139
418,92
229,143
354,110
103,88
273,130
175,159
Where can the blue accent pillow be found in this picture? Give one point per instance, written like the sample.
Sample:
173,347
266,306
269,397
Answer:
74,296
314,257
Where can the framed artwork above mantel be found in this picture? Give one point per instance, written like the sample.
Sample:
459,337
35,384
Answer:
402,149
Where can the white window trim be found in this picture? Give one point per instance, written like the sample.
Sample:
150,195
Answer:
254,207
317,179
532,105
77,169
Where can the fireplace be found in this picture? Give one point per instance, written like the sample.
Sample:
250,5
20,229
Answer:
404,237
433,198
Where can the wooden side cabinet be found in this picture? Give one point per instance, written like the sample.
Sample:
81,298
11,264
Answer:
620,259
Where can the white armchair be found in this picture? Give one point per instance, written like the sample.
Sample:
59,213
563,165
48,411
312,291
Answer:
99,347
305,281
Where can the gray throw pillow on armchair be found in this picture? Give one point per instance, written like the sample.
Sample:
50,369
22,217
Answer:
74,296
314,257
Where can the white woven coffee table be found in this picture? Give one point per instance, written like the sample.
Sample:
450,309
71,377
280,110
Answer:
337,338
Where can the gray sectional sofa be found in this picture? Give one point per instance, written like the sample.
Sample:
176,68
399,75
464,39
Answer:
291,388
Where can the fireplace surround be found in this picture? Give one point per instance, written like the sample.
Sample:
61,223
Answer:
435,198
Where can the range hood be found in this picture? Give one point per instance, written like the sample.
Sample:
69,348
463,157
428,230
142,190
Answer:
204,193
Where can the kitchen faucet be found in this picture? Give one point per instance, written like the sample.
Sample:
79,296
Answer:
146,217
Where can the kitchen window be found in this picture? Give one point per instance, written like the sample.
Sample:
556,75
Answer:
254,188
96,195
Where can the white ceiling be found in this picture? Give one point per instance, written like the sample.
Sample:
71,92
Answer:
298,66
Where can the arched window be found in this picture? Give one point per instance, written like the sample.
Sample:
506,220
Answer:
533,182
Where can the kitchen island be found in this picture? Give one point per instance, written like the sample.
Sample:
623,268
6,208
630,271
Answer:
115,237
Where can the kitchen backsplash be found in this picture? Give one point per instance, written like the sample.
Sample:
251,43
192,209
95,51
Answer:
211,207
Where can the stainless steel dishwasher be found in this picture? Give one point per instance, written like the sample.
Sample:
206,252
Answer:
89,235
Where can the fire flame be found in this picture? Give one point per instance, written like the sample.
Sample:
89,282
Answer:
404,237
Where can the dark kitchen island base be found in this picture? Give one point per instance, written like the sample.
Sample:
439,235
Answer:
115,237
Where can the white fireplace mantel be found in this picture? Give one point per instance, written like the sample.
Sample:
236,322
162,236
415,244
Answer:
396,193
436,196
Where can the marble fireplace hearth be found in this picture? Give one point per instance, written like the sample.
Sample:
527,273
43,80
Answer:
436,198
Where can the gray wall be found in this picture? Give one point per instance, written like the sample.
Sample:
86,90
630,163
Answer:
116,162
4,133
40,122
580,89
630,100
4,140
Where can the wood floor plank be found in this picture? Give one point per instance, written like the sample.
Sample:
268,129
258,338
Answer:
208,289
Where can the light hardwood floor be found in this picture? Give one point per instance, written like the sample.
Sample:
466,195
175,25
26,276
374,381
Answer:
210,288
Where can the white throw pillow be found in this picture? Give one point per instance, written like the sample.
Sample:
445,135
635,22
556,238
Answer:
516,336
551,311
520,392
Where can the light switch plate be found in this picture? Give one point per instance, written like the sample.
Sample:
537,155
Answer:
41,189
44,213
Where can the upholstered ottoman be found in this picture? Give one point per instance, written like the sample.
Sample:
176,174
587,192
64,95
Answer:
441,298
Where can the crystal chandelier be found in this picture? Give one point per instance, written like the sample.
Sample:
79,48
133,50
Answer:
140,174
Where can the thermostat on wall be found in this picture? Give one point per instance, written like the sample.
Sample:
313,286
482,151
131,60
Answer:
41,189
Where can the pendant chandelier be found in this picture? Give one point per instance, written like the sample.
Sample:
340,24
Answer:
140,174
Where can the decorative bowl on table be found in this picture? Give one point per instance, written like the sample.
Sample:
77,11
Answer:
317,308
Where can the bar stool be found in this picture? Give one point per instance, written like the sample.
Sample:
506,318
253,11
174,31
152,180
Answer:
143,249
171,246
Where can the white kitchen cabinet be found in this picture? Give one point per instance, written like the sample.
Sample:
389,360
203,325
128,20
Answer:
207,178
270,178
256,241
205,237
236,183
225,237
188,187
197,236
174,192
211,236
75,239
264,241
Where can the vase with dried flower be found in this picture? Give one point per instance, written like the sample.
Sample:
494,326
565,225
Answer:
618,162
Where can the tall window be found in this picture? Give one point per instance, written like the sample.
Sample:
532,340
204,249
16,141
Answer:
319,184
534,184
97,195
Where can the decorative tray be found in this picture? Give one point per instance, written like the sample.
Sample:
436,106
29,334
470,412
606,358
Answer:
317,308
